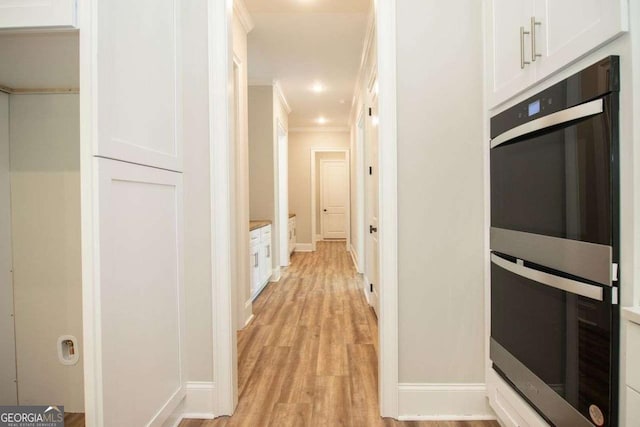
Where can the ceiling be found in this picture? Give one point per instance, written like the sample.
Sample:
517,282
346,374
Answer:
302,42
39,60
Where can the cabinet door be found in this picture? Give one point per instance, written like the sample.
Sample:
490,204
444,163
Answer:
265,262
569,29
254,262
633,407
505,47
139,89
37,14
141,300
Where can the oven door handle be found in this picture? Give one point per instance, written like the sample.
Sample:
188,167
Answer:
564,284
574,113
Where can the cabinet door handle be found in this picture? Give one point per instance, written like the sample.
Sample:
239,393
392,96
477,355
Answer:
268,251
522,61
256,257
534,53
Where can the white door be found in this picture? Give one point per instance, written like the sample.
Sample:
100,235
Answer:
570,28
371,202
334,184
508,47
8,390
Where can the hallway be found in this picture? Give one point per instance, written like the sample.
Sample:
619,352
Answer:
309,357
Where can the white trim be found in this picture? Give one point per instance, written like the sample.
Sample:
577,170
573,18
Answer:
168,409
91,315
313,129
314,151
221,137
283,99
354,258
250,319
304,247
360,171
388,207
281,188
198,403
276,275
319,238
242,12
367,293
438,402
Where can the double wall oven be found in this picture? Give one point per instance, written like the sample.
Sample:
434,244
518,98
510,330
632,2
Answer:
554,242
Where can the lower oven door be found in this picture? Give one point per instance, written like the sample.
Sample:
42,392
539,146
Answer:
552,340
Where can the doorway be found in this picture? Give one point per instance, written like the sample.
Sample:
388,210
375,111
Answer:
330,196
383,35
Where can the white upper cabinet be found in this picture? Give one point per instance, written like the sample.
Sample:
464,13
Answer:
510,49
529,40
568,29
19,14
139,110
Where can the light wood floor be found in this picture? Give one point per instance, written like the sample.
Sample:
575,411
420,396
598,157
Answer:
73,420
309,358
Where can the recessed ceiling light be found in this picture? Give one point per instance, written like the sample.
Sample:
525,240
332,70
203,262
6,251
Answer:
317,87
321,120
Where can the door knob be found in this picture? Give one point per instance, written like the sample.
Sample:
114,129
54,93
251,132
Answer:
324,210
372,229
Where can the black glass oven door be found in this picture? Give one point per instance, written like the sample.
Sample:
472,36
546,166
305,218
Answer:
556,182
551,338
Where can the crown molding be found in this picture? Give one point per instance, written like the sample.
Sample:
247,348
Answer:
283,99
241,11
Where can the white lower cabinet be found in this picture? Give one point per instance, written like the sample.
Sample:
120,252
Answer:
260,259
633,408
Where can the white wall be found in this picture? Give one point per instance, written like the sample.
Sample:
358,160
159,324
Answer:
8,391
45,203
197,193
261,155
300,146
440,192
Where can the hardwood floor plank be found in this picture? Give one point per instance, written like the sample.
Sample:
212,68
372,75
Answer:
332,403
291,415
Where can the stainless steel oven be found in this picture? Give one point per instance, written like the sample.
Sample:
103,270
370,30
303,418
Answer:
554,242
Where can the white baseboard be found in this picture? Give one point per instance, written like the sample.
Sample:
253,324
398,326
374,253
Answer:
365,285
443,402
319,238
249,320
199,401
277,274
354,257
304,247
170,411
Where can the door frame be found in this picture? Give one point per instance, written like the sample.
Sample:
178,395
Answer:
314,188
224,343
360,173
282,193
347,202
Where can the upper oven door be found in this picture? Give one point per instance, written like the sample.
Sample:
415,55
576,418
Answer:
551,191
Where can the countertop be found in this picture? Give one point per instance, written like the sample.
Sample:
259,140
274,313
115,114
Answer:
254,225
291,215
632,314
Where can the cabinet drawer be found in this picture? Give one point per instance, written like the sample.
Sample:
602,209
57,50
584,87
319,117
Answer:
633,355
633,408
265,232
